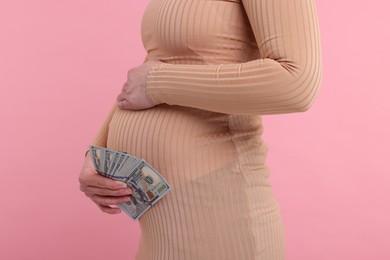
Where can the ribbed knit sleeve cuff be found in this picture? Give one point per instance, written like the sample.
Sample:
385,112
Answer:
152,87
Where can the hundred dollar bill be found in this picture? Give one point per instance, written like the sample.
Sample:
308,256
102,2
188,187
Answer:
107,162
147,184
148,187
150,184
95,158
120,158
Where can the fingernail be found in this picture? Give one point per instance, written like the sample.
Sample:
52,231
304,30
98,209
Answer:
127,199
123,185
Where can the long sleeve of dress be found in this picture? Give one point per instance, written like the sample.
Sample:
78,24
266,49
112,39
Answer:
285,78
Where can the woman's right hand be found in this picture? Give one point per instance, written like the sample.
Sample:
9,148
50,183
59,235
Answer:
105,192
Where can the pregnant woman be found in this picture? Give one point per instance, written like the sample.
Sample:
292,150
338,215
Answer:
193,110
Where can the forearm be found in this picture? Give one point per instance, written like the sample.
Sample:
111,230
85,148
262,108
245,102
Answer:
258,87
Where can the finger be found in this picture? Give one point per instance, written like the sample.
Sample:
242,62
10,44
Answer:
109,210
107,200
121,97
106,192
123,104
126,84
96,180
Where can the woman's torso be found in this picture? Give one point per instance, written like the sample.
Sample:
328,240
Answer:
221,203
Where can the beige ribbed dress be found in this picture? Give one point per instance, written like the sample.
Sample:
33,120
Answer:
227,62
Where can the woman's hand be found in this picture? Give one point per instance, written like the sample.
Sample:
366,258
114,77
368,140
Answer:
133,95
103,191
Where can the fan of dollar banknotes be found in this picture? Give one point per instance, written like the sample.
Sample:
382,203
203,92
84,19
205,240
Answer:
147,185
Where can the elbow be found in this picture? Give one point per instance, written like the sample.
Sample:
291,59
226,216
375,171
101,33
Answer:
308,92
304,106
294,95
303,89
297,85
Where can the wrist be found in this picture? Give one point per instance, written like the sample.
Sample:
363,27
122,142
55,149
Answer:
150,89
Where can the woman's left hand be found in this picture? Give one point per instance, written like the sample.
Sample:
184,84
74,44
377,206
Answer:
133,95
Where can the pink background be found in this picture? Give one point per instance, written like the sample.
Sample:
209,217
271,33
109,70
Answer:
62,64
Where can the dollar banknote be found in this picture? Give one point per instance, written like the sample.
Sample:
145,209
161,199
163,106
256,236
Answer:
147,184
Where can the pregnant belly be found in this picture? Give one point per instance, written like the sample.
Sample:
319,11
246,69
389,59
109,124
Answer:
174,139
164,135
